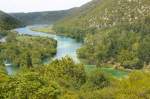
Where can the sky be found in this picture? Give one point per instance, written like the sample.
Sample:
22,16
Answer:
39,5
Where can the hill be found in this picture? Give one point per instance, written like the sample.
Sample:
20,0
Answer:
7,22
102,14
46,17
114,31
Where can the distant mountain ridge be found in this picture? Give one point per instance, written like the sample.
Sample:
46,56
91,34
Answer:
50,17
45,17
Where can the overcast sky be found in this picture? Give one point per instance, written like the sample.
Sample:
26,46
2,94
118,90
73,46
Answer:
38,5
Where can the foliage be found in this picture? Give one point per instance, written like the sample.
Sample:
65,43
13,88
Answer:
97,79
45,82
3,75
115,31
29,86
27,51
135,87
66,72
126,48
59,80
7,22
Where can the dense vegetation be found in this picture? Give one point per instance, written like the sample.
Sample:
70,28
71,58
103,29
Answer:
114,31
47,17
63,79
26,51
7,22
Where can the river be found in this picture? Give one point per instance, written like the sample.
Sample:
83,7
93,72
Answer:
66,46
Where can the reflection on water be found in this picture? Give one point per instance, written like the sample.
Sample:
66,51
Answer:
66,46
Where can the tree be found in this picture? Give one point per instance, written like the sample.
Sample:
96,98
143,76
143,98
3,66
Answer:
29,85
66,72
97,80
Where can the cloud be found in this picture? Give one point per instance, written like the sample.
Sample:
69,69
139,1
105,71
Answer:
38,5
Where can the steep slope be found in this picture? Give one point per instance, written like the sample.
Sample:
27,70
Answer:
7,22
47,17
102,14
116,31
77,20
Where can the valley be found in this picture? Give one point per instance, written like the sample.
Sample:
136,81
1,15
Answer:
100,50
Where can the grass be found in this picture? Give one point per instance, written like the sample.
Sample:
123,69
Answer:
45,29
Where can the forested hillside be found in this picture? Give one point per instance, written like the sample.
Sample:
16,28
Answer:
47,17
7,22
114,31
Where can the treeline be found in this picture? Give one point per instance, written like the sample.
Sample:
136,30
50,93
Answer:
26,51
114,31
46,17
7,22
127,49
63,79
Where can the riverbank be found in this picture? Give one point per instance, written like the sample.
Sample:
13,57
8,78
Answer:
66,46
45,29
110,70
26,51
49,29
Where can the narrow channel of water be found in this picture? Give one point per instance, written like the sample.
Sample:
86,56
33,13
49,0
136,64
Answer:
66,46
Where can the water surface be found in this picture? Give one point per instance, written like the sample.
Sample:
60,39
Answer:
66,46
